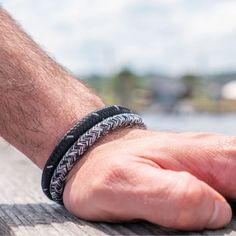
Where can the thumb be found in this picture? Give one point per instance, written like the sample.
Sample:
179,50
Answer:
168,198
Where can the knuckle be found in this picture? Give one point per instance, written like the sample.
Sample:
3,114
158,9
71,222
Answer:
231,141
227,145
190,196
226,149
191,192
224,161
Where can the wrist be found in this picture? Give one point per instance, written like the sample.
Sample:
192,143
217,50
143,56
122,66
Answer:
59,125
112,138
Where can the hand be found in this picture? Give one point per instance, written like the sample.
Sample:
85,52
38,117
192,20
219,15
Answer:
176,180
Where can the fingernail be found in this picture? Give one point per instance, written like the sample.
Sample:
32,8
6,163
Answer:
221,216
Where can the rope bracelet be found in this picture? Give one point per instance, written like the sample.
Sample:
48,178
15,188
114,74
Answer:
75,153
71,137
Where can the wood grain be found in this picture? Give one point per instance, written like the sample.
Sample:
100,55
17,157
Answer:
24,210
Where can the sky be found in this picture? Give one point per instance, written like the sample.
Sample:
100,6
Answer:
162,36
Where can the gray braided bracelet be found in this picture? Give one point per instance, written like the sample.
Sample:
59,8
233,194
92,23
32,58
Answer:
83,143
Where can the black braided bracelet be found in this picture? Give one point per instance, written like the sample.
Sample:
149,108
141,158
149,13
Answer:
85,141
71,137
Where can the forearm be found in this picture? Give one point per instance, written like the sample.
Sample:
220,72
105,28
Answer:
39,100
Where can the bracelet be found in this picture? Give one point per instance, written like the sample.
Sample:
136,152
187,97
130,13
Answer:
71,137
76,152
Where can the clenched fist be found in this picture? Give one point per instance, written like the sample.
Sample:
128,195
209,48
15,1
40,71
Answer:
177,180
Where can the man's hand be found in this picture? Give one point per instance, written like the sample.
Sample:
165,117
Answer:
165,178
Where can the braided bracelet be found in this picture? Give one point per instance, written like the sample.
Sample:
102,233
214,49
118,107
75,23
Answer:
71,137
81,146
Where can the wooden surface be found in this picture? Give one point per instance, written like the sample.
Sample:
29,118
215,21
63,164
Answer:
24,210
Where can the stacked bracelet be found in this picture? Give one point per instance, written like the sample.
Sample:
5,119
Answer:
81,146
77,141
71,137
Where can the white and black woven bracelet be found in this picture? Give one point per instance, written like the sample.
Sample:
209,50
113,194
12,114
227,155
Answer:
81,146
72,136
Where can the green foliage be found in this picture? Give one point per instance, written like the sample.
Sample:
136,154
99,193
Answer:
191,83
124,88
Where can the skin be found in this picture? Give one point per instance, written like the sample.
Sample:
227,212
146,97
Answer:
141,176
177,180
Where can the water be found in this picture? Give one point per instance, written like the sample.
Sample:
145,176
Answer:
219,123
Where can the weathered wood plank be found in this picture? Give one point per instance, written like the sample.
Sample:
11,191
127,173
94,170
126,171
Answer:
24,210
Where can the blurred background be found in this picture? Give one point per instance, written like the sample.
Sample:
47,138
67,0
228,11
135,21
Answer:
174,61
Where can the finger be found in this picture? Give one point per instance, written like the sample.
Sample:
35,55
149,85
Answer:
209,157
168,198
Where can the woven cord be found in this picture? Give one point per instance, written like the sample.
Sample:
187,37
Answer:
72,136
75,153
